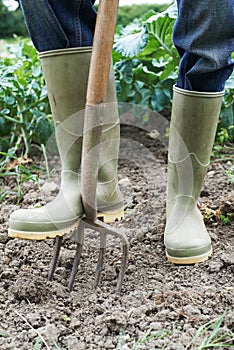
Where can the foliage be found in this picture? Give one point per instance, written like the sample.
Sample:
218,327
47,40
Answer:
146,61
209,335
212,335
24,115
23,101
11,22
226,219
18,168
127,14
161,334
226,125
146,65
230,173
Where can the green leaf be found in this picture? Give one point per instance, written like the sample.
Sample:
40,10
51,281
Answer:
162,95
170,71
9,100
3,334
5,111
230,82
160,29
227,117
36,71
38,344
66,318
5,127
172,11
43,130
216,328
130,45
124,70
142,73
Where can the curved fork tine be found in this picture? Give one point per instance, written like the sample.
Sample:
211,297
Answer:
105,229
77,258
58,243
101,256
123,267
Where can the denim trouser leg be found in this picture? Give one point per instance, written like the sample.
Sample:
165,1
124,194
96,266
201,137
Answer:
57,24
204,37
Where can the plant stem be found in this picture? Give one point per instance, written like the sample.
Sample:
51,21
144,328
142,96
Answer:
46,160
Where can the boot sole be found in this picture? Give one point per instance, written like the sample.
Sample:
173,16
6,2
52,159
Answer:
106,217
189,259
111,216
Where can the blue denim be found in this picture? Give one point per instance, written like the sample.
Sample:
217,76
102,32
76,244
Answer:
58,24
204,37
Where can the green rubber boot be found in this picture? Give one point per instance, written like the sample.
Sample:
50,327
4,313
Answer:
66,74
192,132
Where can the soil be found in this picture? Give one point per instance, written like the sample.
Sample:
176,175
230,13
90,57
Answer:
169,302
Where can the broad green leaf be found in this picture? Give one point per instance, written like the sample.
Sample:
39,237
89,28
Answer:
227,117
9,100
170,71
142,73
43,130
132,44
162,95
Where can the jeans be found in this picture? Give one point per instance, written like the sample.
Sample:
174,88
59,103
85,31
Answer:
203,35
58,24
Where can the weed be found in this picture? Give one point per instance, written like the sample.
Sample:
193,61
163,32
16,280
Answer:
13,166
3,334
226,219
38,344
207,336
230,174
210,332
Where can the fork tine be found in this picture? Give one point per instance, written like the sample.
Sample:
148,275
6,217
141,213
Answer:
123,267
77,258
101,256
105,229
57,247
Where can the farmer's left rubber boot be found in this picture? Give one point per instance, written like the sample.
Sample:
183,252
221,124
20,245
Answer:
192,132
66,73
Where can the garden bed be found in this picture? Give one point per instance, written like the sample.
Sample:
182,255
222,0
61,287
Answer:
161,304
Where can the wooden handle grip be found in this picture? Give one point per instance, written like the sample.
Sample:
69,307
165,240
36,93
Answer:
102,52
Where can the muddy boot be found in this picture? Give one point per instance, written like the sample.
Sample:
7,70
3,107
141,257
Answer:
192,132
66,75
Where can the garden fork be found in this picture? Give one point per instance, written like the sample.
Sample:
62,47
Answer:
94,110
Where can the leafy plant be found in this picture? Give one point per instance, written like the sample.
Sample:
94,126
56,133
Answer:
230,174
39,343
212,337
23,100
128,13
146,60
24,113
209,335
227,112
226,219
3,334
161,334
16,167
146,65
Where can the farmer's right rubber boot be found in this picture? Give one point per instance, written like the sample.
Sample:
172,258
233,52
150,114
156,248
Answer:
66,73
192,132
